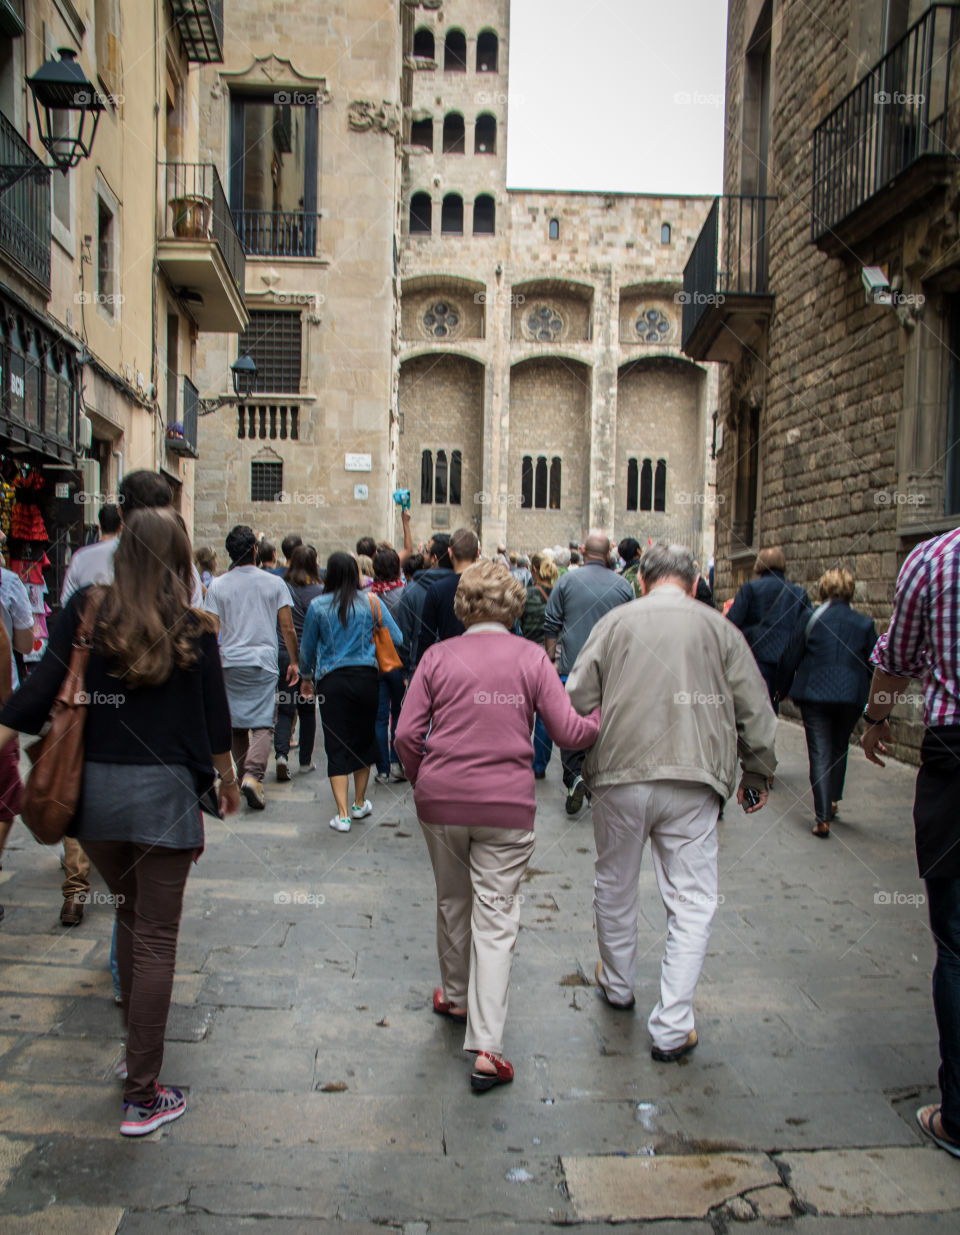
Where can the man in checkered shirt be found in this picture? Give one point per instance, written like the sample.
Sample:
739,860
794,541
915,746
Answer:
923,641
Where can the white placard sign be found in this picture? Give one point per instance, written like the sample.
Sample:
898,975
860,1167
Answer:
360,493
359,463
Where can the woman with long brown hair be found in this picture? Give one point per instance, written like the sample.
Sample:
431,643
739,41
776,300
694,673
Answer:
158,727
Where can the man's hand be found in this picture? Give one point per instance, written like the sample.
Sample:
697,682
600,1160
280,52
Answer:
293,673
874,739
306,690
761,801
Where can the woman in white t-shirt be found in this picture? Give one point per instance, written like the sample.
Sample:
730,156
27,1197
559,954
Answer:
248,604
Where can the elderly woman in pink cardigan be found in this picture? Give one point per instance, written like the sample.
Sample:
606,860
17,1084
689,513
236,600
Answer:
464,741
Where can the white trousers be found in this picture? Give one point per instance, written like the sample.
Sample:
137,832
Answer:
478,872
680,820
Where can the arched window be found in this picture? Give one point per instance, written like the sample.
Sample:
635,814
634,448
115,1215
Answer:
526,483
633,484
485,134
646,485
424,47
664,233
484,215
487,47
426,477
554,229
455,52
456,467
555,466
454,134
451,215
660,486
540,484
421,214
440,479
421,133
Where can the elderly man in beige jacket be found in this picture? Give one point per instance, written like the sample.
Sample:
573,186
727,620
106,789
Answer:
682,698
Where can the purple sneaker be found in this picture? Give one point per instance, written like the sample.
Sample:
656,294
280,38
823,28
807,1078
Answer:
139,1119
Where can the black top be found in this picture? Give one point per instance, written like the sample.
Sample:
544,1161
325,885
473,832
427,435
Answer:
183,721
439,620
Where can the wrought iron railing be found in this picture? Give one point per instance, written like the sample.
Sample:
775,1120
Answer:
200,23
182,432
25,208
196,209
278,233
739,223
894,116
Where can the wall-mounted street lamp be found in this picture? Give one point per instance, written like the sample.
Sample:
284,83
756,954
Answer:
244,373
65,104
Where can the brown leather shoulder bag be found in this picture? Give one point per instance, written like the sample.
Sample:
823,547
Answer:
52,792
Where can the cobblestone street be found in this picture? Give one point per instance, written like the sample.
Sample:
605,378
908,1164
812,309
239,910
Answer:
323,1094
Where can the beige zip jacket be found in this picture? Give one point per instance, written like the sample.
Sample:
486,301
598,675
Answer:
681,696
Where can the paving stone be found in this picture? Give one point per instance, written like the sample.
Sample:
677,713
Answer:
12,1153
31,1013
875,1181
64,1220
771,1202
631,1189
64,948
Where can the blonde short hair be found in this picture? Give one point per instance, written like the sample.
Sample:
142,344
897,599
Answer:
364,566
487,592
548,571
836,585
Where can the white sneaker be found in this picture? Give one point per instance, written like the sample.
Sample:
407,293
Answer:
382,778
306,768
396,771
340,825
361,812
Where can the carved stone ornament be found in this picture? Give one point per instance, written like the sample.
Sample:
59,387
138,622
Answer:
364,116
273,70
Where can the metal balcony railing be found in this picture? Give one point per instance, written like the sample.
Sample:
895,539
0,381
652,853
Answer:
196,209
182,432
894,116
200,23
738,269
25,209
278,233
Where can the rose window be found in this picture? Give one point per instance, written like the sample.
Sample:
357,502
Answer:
544,324
441,320
653,326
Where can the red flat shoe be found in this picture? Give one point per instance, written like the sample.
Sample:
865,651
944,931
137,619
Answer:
446,1009
482,1081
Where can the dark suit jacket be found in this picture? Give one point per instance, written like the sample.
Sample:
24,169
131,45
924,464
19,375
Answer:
439,620
767,610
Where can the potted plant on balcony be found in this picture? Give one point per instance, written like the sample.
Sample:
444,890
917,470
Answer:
191,216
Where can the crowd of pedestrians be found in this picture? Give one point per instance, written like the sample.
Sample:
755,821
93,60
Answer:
457,673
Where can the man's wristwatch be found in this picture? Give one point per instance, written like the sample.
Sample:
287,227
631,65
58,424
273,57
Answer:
870,720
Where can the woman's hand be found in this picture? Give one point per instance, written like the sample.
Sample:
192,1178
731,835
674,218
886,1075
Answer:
306,689
229,798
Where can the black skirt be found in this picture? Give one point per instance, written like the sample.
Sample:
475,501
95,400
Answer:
348,701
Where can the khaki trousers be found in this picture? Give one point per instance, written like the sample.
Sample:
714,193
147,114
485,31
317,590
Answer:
478,871
76,867
680,820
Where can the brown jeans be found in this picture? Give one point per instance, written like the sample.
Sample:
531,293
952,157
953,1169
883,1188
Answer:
148,883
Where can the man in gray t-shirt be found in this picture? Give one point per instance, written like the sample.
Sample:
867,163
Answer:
578,601
248,604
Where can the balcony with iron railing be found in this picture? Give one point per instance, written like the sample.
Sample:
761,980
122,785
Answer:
885,146
200,23
182,422
726,296
278,233
25,210
199,249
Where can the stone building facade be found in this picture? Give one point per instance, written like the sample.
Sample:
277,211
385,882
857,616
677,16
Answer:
839,432
511,357
110,271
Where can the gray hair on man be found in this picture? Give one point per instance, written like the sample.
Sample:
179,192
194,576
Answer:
660,562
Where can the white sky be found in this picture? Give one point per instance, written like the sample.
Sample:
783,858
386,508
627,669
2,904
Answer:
617,94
